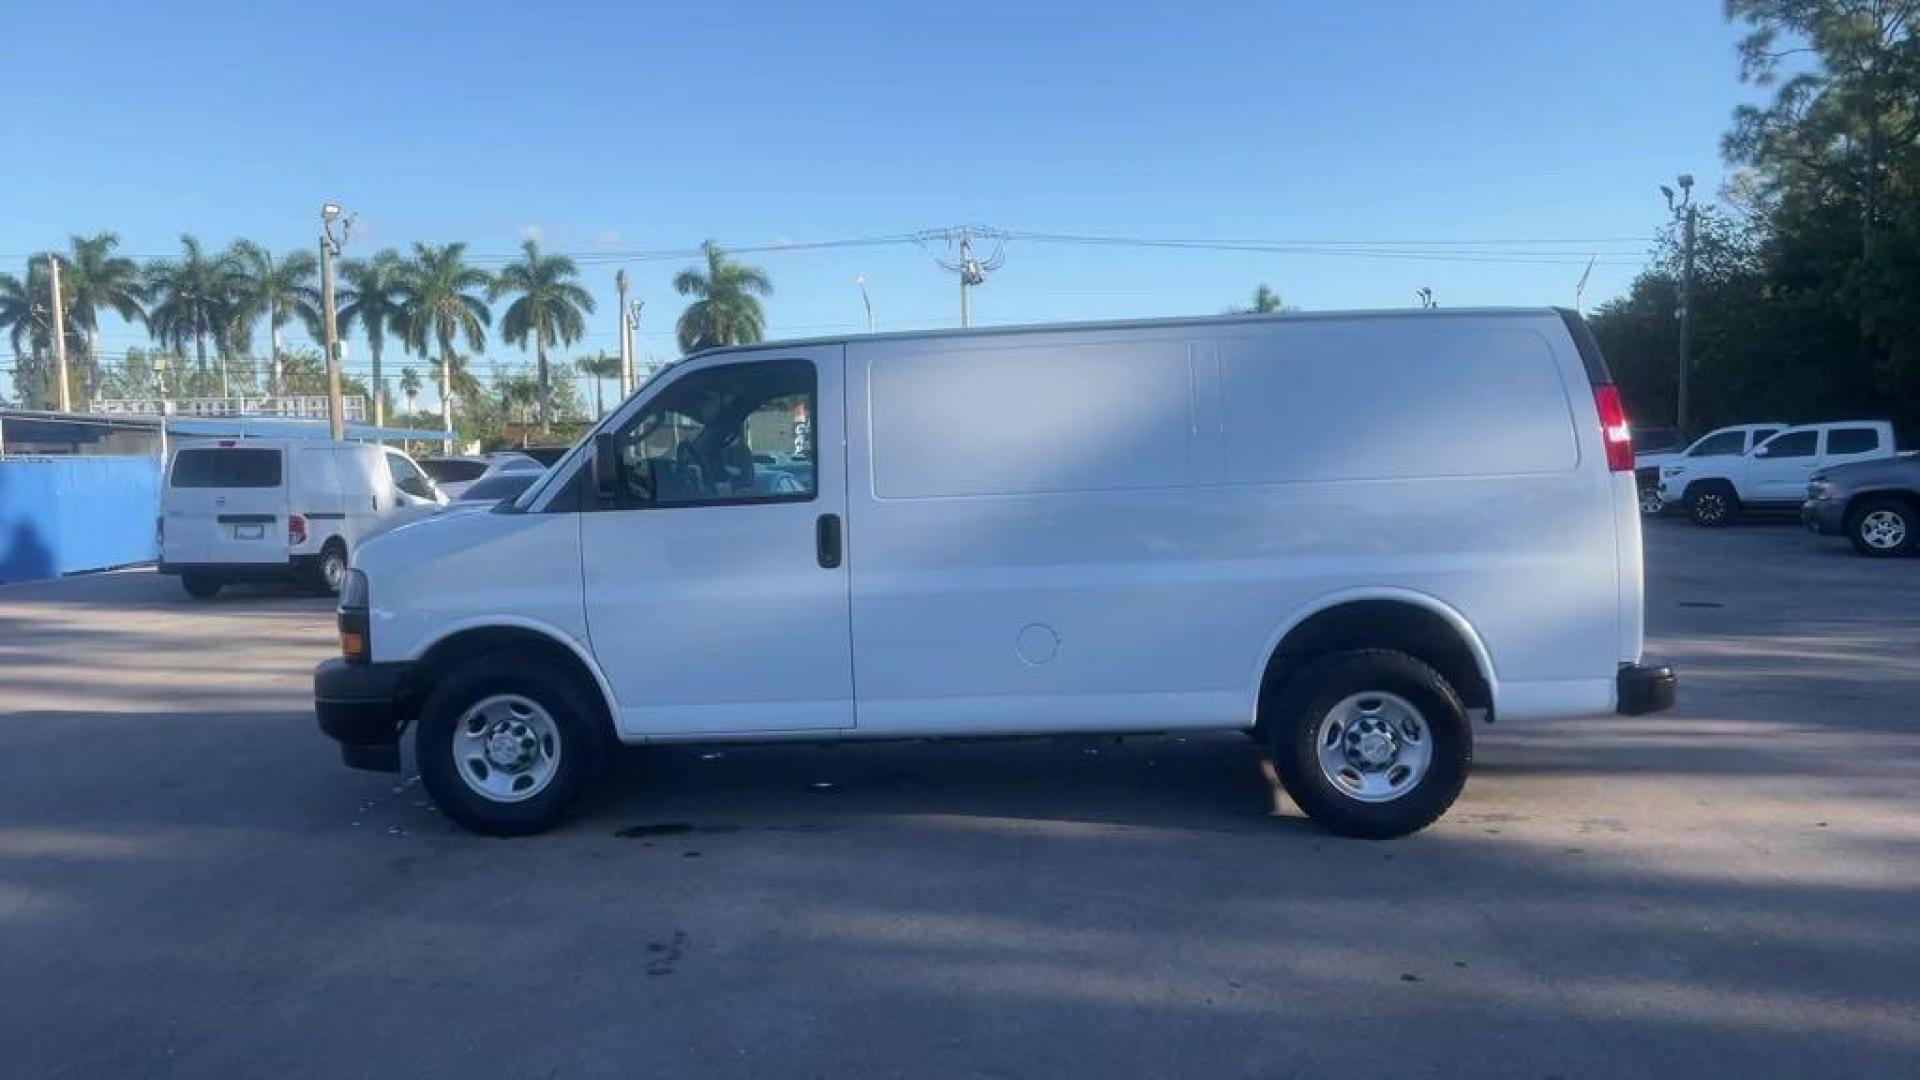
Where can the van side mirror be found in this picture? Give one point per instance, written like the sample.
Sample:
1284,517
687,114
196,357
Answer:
606,465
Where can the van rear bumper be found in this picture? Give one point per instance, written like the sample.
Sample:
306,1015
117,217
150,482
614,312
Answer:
1646,688
359,706
233,571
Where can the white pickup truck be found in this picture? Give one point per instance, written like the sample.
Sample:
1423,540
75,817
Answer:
1731,441
1773,475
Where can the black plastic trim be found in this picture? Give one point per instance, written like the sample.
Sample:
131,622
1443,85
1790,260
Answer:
245,519
1646,688
1588,346
324,516
360,707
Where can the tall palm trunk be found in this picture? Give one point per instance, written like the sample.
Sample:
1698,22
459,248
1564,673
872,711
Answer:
274,384
546,386
379,388
446,389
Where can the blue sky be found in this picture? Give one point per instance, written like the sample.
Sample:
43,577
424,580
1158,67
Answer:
620,127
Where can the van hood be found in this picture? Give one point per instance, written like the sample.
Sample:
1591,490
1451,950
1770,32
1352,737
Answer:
426,533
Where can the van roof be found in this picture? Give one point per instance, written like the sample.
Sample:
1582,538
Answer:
1175,322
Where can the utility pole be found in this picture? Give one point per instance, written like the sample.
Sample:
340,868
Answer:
336,405
633,310
59,333
626,337
1685,214
972,271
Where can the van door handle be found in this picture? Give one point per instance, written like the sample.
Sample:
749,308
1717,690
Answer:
826,540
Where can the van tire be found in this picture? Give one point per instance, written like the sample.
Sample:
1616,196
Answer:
543,689
1299,716
1712,503
201,586
1882,527
329,568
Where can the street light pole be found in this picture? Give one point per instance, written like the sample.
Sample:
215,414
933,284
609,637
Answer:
1685,214
626,337
59,333
336,405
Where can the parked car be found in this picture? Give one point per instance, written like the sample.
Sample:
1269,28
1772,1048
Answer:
1875,504
1731,441
246,509
454,474
489,490
1773,475
1299,526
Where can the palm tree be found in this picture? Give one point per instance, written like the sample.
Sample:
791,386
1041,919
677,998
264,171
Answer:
410,386
25,308
440,302
93,278
598,367
726,309
550,307
193,298
372,298
276,291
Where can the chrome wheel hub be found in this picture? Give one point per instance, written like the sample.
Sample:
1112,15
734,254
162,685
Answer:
1883,530
507,748
1374,747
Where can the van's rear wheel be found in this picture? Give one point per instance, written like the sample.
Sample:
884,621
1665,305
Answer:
201,586
1371,743
506,745
330,569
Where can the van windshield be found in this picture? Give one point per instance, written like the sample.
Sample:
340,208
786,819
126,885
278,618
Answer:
226,467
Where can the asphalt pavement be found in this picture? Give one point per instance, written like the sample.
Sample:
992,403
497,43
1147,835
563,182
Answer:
191,884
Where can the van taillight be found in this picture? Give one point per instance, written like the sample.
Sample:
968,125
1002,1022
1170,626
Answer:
1614,431
296,529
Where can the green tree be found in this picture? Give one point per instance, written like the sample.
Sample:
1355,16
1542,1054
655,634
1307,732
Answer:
441,303
193,300
1265,302
410,386
549,308
726,307
598,367
26,315
277,291
1835,153
373,299
95,279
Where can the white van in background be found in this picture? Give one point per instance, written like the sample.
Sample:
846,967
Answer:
247,509
1339,533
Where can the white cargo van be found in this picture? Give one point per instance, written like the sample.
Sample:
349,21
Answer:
246,509
1340,533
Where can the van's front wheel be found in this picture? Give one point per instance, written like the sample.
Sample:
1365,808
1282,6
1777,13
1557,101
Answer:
506,745
1371,743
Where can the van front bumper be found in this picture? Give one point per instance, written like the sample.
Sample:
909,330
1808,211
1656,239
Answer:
360,706
1646,688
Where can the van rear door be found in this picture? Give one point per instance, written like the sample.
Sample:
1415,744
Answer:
227,504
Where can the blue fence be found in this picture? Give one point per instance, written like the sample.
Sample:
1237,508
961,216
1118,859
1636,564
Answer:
62,515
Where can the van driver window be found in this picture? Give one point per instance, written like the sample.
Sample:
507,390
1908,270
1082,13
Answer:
739,433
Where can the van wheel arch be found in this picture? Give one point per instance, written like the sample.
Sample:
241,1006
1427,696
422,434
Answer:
1378,623
456,649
